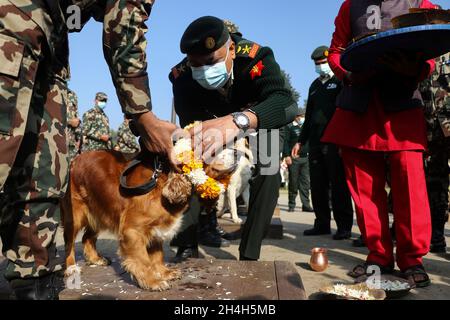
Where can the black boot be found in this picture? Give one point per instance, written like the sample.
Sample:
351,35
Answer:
208,234
44,288
185,253
342,235
317,230
214,226
359,243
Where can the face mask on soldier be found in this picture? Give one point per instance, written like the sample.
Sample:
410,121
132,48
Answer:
101,104
323,69
215,76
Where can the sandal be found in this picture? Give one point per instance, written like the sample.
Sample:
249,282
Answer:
411,273
360,270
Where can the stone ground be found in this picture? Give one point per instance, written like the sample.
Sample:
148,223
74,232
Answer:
296,248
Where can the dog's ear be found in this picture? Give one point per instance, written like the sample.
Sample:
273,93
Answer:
177,190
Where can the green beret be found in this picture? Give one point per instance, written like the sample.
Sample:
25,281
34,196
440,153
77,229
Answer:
204,36
320,53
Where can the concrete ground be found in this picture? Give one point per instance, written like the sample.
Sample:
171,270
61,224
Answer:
296,248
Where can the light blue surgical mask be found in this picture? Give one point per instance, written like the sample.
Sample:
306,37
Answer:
212,77
323,69
101,104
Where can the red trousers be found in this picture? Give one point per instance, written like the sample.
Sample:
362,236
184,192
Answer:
366,177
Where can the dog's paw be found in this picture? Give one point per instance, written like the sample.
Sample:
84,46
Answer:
226,216
72,271
237,221
101,262
156,286
174,274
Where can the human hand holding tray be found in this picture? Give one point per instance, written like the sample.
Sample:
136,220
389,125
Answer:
430,40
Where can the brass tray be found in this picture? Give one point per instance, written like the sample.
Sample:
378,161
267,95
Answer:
375,294
418,17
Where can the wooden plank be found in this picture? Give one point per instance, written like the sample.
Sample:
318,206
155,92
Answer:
289,282
202,280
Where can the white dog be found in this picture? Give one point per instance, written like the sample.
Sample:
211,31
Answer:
239,183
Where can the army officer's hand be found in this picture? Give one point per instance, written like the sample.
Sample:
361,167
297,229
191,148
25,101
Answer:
288,161
296,151
156,134
210,137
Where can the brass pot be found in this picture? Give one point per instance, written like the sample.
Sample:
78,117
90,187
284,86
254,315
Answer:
319,259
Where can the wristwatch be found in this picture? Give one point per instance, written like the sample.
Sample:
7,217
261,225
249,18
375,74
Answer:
241,120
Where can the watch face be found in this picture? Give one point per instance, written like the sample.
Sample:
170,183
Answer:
242,120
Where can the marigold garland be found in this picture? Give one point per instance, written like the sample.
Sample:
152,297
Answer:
206,187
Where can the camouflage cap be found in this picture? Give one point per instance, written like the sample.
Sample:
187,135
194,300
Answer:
204,36
320,53
232,27
101,96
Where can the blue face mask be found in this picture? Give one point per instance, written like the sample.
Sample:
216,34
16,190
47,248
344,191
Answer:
212,77
323,69
101,104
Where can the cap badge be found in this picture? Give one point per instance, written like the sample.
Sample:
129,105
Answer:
210,43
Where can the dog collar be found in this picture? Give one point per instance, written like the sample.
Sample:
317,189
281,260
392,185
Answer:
144,188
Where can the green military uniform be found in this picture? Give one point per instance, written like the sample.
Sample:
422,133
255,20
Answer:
299,181
326,167
73,133
95,125
33,94
436,94
257,82
126,140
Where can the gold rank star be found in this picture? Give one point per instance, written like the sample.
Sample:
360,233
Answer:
246,50
181,69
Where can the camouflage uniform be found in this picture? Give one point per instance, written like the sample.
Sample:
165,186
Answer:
126,140
73,134
437,110
95,124
33,106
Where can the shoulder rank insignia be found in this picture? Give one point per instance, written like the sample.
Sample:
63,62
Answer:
247,49
179,69
257,70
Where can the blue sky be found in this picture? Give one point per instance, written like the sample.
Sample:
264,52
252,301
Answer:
292,28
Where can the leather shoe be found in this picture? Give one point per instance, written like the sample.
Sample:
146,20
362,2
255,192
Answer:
316,232
232,235
291,210
342,235
307,209
438,247
184,253
214,240
359,243
43,288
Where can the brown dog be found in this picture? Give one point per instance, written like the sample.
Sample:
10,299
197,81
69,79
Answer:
96,203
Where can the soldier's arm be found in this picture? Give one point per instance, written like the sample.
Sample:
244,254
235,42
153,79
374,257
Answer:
124,46
275,107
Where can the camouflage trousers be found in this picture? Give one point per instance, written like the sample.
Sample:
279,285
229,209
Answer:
437,175
33,148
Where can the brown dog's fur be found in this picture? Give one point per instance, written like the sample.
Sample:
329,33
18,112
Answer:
95,202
